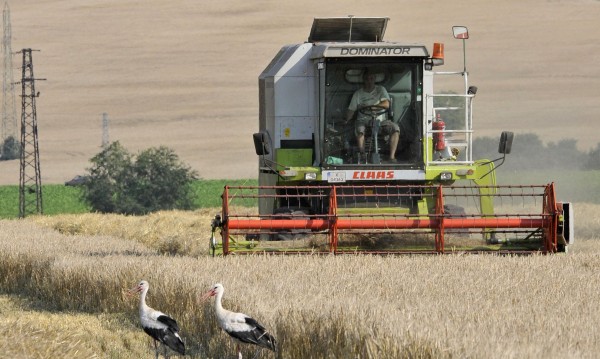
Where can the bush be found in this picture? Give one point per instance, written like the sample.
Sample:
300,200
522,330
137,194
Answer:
155,180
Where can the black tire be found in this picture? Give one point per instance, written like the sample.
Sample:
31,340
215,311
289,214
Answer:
453,209
289,213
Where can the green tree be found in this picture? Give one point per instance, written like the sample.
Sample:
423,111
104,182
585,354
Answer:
105,184
11,149
593,160
161,180
565,155
155,180
530,153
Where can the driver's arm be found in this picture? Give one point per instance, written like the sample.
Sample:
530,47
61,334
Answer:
385,103
385,98
349,115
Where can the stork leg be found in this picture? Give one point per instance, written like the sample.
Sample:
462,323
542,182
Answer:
239,351
256,354
155,349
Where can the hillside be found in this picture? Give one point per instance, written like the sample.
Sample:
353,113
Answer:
184,73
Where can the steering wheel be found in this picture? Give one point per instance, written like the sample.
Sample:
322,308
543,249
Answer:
373,110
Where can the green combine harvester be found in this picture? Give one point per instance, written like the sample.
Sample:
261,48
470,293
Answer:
323,190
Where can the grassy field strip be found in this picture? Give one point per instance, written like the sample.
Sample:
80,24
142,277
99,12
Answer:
60,199
579,186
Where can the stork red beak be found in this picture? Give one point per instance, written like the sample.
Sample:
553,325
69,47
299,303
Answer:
207,295
133,291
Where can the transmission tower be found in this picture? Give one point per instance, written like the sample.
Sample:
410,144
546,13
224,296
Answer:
30,189
9,112
104,130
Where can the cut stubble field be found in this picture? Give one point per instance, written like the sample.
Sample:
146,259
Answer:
62,280
184,74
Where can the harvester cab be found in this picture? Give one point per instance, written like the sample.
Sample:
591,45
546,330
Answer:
306,91
374,167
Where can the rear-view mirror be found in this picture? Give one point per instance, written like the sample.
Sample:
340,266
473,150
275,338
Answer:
261,146
506,139
460,32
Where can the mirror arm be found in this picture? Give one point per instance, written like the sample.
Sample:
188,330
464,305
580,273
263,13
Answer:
495,167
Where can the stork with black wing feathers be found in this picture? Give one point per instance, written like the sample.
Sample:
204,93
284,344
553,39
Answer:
241,327
158,325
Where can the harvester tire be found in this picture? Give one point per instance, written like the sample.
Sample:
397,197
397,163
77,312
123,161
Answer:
453,209
289,213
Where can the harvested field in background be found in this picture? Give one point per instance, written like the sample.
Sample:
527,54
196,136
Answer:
183,74
62,278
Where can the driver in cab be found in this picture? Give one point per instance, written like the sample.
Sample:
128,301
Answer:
372,101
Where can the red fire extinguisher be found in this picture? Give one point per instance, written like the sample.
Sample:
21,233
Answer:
439,138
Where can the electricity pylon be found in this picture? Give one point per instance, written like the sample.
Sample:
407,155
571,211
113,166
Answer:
9,112
30,189
104,130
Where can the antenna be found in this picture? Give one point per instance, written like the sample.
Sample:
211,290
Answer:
9,110
30,188
350,30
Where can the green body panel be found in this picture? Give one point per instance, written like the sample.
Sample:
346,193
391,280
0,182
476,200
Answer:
482,176
293,157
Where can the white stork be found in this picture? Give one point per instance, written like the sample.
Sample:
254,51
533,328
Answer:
157,324
242,328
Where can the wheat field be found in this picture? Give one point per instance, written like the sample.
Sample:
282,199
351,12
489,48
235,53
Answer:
184,74
63,277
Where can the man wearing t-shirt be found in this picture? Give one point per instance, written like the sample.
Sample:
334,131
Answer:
369,95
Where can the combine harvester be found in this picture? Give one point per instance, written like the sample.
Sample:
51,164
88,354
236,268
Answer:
318,193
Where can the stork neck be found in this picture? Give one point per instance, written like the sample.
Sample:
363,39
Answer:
218,304
143,306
